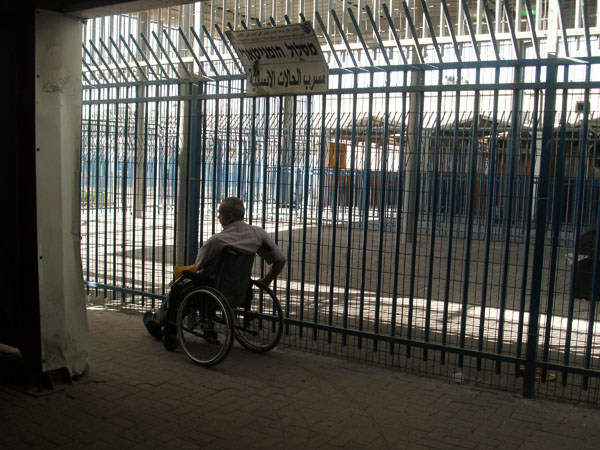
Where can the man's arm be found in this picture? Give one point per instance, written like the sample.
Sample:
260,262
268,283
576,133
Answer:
275,270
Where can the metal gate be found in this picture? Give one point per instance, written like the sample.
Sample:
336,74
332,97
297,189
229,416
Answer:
438,209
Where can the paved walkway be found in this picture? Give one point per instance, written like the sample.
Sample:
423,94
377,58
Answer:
138,396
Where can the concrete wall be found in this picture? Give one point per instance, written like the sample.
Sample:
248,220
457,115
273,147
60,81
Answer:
63,321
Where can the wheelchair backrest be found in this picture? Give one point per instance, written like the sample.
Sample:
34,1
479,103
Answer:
233,275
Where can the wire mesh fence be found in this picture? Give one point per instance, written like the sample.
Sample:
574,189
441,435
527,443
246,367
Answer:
445,227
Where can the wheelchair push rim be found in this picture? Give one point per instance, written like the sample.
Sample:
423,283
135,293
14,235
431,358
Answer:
260,327
205,326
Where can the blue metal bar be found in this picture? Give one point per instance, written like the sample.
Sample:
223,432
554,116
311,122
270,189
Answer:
252,159
162,49
540,231
305,196
334,206
563,28
320,214
212,43
350,212
557,214
531,21
217,160
142,294
124,199
586,27
162,69
328,39
471,30
511,28
93,62
366,194
514,141
529,207
112,59
413,32
177,54
154,191
382,208
580,195
490,24
135,78
343,36
291,146
400,202
231,52
90,71
394,32
102,60
491,178
278,185
144,197
448,17
139,49
210,63
360,36
165,193
419,102
431,31
432,248
194,167
471,206
192,52
377,35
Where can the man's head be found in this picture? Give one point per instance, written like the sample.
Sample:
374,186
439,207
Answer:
231,210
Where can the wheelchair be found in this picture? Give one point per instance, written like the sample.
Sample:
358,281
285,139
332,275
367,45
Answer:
205,318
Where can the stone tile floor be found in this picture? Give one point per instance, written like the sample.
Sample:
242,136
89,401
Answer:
138,396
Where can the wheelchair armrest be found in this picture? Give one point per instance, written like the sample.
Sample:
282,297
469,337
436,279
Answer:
189,274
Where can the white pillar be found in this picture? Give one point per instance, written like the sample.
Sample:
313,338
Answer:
58,97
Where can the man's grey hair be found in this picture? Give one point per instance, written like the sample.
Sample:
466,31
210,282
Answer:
233,206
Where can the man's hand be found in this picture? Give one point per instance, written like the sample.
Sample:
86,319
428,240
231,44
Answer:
275,270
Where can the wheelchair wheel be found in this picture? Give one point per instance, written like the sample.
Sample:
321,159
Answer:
259,325
205,326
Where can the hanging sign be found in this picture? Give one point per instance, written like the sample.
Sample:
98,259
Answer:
283,60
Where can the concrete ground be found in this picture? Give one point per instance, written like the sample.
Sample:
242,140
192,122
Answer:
138,396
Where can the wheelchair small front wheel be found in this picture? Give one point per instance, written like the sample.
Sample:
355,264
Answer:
259,325
205,326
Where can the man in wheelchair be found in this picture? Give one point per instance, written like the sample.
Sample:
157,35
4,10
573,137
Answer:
225,262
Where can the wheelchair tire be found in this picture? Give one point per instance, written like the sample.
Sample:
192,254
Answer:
260,327
205,326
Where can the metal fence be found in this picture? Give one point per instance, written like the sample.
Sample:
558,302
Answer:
448,228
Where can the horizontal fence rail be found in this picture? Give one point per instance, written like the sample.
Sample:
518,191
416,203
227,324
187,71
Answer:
438,216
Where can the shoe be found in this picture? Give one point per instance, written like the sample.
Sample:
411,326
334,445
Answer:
170,342
152,325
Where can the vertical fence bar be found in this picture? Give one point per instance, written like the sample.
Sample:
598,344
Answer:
320,216
291,147
528,218
305,196
350,211
334,203
399,203
366,191
515,133
578,219
540,230
474,148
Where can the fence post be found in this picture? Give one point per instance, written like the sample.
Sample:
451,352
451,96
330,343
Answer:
193,188
540,229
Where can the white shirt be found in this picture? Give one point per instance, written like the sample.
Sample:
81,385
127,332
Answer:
246,238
